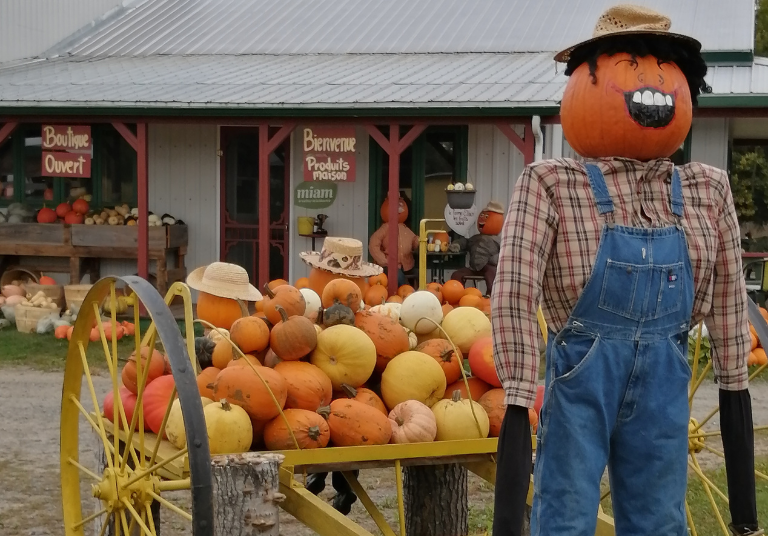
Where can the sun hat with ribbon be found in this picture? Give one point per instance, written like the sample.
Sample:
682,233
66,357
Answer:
343,256
628,19
224,280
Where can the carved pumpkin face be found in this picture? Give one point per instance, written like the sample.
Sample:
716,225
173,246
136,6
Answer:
402,210
639,108
490,223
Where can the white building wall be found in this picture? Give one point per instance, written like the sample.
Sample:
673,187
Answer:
30,27
709,141
493,164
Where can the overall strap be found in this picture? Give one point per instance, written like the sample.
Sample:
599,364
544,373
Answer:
676,194
600,191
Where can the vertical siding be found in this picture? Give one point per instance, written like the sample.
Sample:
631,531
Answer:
347,217
30,27
494,164
709,142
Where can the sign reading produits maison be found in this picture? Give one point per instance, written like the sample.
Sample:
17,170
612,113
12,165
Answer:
66,151
314,196
329,154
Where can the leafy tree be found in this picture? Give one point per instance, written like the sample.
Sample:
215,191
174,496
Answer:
749,183
761,28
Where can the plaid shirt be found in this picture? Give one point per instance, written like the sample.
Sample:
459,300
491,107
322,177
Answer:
550,240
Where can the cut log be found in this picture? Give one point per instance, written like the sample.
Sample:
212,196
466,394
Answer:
436,501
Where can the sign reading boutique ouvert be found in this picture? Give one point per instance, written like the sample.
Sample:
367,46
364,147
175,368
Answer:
329,154
66,151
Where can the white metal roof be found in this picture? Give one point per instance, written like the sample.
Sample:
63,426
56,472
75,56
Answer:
740,79
152,27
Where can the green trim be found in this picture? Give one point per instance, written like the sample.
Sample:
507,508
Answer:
728,56
757,100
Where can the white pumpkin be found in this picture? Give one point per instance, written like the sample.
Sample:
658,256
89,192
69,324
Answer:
174,428
312,300
465,325
418,306
455,419
412,422
229,428
392,310
413,339
217,334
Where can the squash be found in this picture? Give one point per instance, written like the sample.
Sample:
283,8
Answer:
380,279
477,388
481,361
270,359
287,297
218,334
156,369
472,291
221,312
60,332
470,300
416,307
338,314
312,301
292,338
308,387
405,290
387,335
128,401
222,354
12,290
250,334
412,376
229,428
310,430
465,325
302,283
244,387
353,423
277,283
413,339
392,310
342,291
533,420
319,278
205,381
174,428
412,422
395,299
46,215
442,352
494,406
248,361
456,420
437,290
204,351
453,291
155,401
345,354
364,395
376,295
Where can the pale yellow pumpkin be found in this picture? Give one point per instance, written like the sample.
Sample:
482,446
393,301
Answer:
392,310
412,376
229,428
412,422
174,428
455,419
419,306
346,354
312,300
218,334
465,325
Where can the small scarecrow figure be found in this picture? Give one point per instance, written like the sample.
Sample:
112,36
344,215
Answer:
407,241
483,247
624,252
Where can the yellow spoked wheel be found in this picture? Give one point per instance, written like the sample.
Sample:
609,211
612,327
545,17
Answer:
131,483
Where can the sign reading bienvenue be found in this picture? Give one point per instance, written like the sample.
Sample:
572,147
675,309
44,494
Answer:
329,154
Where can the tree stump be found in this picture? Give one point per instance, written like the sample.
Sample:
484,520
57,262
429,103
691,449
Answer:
246,494
435,499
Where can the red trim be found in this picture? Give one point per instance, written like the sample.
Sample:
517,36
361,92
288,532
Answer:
263,204
393,195
376,134
754,255
512,136
7,130
410,137
126,133
142,173
280,135
529,145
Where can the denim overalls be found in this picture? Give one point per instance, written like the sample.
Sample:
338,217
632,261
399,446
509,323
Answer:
617,386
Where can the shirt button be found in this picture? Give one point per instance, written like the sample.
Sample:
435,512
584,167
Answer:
629,269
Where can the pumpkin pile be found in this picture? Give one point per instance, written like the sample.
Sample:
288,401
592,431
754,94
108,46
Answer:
757,356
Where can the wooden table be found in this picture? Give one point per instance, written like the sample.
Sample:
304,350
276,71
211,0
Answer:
437,260
78,249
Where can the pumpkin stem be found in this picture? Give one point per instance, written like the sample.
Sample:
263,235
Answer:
399,421
313,432
283,314
456,396
324,412
446,355
225,405
268,291
350,391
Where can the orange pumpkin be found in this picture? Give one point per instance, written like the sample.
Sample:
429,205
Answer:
477,388
238,361
318,279
156,369
481,361
472,291
287,297
245,388
453,291
405,291
250,334
61,332
436,289
344,292
493,404
308,387
470,300
490,222
380,279
221,312
442,352
156,400
402,211
388,336
353,423
636,108
277,283
394,299
447,308
364,395
309,429
302,282
292,338
376,295
222,354
205,381
442,236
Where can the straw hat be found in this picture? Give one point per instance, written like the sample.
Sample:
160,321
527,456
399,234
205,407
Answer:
224,280
342,256
627,19
494,206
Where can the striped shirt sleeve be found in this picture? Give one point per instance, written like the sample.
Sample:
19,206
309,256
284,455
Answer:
526,241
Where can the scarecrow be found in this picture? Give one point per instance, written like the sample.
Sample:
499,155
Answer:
624,252
339,258
407,241
483,247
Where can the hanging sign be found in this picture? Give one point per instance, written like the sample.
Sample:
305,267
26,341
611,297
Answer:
314,196
66,151
462,220
329,154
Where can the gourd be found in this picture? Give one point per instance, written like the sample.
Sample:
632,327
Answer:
250,334
310,430
413,339
156,369
494,406
465,325
455,419
312,301
353,423
481,361
292,338
246,360
287,297
244,387
364,395
437,290
204,347
155,400
376,295
405,290
217,334
229,428
380,279
205,381
308,387
412,376
387,335
302,283
220,312
345,354
390,309
412,422
442,352
46,215
477,388
338,314
222,354
342,291
174,428
418,306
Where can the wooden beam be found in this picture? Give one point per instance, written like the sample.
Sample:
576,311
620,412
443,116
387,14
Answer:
7,130
142,176
511,135
280,136
410,137
376,134
264,233
126,133
529,145
394,196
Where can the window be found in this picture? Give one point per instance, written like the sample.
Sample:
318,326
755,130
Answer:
113,171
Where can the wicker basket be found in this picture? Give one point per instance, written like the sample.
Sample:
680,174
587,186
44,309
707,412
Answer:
75,294
27,317
16,273
55,292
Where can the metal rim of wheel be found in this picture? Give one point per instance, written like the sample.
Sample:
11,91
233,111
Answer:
130,487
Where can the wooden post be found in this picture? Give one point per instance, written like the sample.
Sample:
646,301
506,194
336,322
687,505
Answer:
436,500
246,494
394,196
142,171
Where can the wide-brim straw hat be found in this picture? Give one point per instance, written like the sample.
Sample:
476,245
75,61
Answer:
224,280
342,256
494,206
627,19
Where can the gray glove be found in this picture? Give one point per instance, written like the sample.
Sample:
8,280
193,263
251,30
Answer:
454,248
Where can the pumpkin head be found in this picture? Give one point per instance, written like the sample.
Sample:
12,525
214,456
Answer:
490,222
637,107
402,211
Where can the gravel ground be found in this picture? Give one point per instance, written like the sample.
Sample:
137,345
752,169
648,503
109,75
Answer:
30,493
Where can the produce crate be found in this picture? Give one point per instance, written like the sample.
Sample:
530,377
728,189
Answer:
55,292
75,294
127,236
27,317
